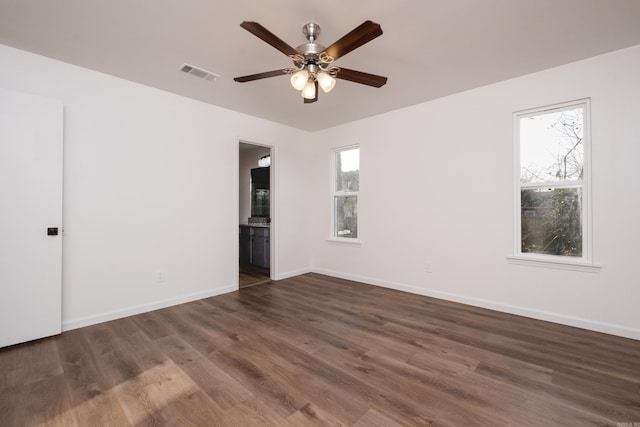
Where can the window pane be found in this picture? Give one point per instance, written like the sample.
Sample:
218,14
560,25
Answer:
348,170
346,220
551,221
551,146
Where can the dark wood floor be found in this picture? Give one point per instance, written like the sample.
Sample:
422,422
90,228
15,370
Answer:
252,275
313,350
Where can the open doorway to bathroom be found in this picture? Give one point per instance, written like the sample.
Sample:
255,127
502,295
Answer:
255,214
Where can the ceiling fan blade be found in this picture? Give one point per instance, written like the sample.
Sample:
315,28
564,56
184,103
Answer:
362,34
267,36
360,77
259,76
309,101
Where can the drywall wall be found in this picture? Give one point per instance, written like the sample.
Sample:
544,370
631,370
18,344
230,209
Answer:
150,186
248,160
437,194
151,190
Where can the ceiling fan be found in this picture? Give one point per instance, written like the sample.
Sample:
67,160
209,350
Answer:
313,62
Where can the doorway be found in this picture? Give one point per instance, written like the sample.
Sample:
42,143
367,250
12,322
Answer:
255,213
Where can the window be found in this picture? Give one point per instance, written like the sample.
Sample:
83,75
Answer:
552,159
346,184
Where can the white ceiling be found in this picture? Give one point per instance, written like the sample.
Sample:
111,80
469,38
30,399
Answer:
429,49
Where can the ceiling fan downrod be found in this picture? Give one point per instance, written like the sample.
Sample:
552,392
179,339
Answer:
311,31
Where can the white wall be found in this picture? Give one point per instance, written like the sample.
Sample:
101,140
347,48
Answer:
248,160
437,189
150,185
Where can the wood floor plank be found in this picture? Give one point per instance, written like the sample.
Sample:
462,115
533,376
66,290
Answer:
287,367
310,415
254,412
46,403
153,325
144,397
456,406
350,395
92,400
224,390
313,350
548,397
298,328
374,418
29,362
261,384
11,408
195,409
251,275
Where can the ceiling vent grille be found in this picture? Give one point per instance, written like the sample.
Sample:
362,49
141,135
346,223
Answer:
199,72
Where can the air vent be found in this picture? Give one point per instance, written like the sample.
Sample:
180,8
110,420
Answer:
199,72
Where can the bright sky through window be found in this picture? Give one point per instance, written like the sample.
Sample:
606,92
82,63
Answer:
350,160
545,142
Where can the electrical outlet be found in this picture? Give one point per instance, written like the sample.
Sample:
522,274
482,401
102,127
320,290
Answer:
427,268
161,277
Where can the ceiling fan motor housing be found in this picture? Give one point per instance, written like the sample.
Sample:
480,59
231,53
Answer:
310,51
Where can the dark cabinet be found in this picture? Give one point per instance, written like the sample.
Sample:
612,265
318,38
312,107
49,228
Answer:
260,247
254,246
245,245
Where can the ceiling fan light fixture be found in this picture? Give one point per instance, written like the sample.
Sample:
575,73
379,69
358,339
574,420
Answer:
300,79
309,90
326,82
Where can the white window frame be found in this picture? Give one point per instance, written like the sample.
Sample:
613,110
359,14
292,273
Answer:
333,238
585,262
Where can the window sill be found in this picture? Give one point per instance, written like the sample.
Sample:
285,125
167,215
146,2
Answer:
552,263
344,242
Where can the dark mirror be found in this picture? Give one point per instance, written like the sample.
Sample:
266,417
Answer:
260,194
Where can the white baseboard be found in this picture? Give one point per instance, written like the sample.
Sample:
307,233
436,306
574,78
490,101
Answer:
292,273
68,325
592,325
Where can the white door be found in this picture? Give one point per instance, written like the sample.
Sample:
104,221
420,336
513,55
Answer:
30,204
